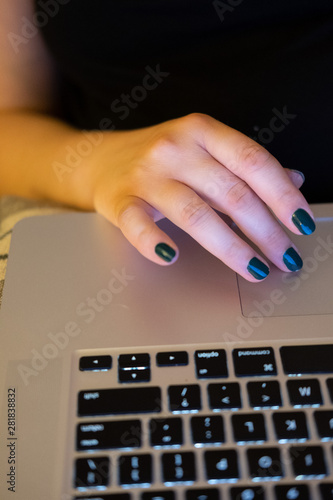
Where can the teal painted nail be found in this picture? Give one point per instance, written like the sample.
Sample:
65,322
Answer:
165,252
258,269
292,259
303,221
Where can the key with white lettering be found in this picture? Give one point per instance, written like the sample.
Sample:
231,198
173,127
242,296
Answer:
178,467
184,398
221,464
248,427
119,401
308,461
292,492
224,396
108,435
264,394
264,463
92,472
207,429
248,493
135,469
304,392
95,363
290,426
166,432
211,363
254,361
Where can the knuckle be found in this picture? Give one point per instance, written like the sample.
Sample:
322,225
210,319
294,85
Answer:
163,147
253,157
195,213
233,251
196,120
287,196
239,195
124,212
144,235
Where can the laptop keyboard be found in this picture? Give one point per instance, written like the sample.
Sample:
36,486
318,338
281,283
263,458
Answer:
243,423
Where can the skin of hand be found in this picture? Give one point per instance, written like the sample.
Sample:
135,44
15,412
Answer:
191,170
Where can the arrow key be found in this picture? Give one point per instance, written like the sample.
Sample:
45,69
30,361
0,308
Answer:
95,363
172,358
134,375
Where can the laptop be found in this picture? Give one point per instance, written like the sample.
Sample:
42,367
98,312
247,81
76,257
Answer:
124,380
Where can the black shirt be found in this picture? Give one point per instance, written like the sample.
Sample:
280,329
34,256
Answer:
264,67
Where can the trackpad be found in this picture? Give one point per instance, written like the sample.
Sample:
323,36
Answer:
307,292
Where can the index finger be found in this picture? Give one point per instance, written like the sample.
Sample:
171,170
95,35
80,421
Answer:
261,171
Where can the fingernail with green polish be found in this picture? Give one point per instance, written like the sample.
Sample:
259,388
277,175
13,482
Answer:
258,269
165,252
303,221
292,259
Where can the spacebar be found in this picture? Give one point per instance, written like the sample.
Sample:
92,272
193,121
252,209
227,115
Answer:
119,401
307,359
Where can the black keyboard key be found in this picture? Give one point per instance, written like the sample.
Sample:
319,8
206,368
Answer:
290,426
178,467
134,375
92,472
141,360
224,396
158,495
299,360
173,358
326,491
95,363
304,392
112,496
264,463
119,401
108,435
308,461
135,469
207,429
134,368
184,398
324,423
248,493
166,432
211,363
264,394
330,387
221,464
292,492
248,427
254,361
203,494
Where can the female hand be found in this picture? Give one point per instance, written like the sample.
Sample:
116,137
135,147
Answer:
187,169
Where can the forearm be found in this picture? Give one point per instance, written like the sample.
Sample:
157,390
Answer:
37,159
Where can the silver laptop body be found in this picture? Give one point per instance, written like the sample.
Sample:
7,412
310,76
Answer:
78,295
